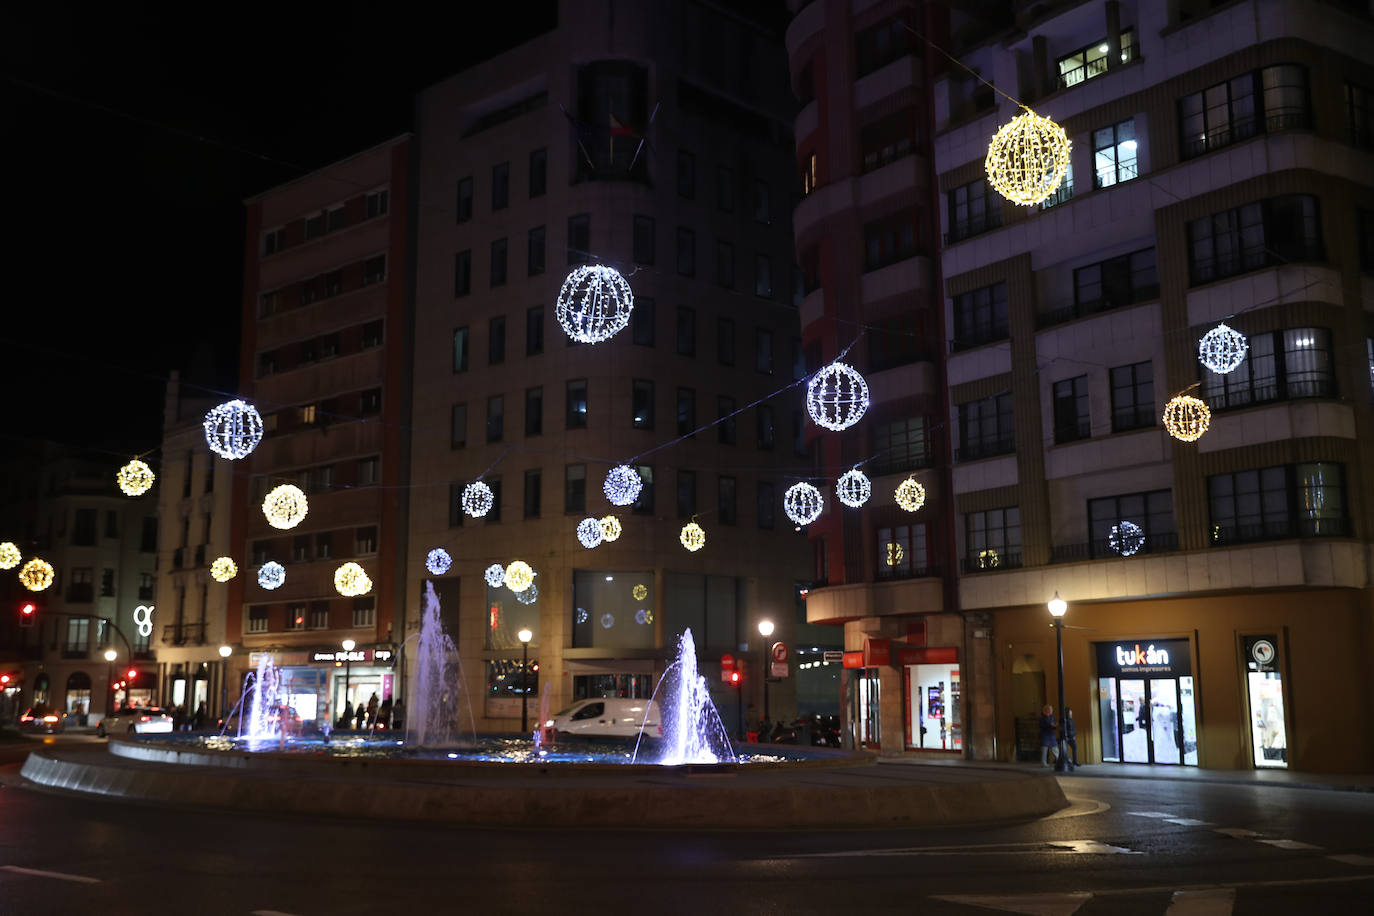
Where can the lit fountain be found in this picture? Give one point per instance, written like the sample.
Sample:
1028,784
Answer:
438,681
692,730
266,697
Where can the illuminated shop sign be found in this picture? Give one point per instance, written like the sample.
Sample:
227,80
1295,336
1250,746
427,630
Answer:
1162,657
357,655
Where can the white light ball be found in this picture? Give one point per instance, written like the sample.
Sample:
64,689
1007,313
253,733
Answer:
477,499
519,576
910,495
594,303
351,581
1126,538
271,575
837,396
589,532
529,595
622,485
286,506
1027,159
223,569
1222,349
803,503
135,478
233,429
582,615
495,575
437,561
607,621
853,488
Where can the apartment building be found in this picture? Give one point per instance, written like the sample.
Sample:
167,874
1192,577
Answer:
1219,592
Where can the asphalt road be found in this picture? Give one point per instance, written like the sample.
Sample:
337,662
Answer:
1126,847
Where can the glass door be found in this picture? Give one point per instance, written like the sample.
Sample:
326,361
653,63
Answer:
1135,722
1164,721
1189,714
1266,719
1107,716
869,703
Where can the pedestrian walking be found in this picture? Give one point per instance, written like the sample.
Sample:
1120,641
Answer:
384,713
372,709
360,716
347,719
1070,737
398,715
198,720
1048,739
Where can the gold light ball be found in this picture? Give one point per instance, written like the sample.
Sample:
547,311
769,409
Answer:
135,478
1027,158
988,559
693,537
1186,418
36,575
640,592
610,528
285,506
894,553
9,555
519,575
223,569
351,581
910,495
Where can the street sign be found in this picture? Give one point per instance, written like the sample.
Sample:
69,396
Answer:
780,669
779,652
727,661
832,656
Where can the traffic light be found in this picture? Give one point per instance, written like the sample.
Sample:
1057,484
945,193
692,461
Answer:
28,612
734,678
4,681
132,674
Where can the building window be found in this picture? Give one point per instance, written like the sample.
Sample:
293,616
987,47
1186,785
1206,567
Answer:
1260,234
539,172
992,540
1359,115
455,504
576,403
365,540
1110,284
897,341
148,542
1114,154
980,316
575,488
83,528
500,186
1152,513
534,264
686,252
1229,112
111,524
273,240
644,243
1133,396
686,331
986,428
1366,233
1086,63
369,470
496,341
498,262
642,404
1071,410
336,218
725,189
902,552
372,334
972,210
1369,351
799,447
145,586
1303,500
888,241
725,416
686,411
686,174
767,431
496,418
458,426
900,446
763,276
534,493
300,548
686,494
494,515
579,238
644,503
880,45
460,349
534,411
364,612
319,615
314,226
1063,193
376,203
766,505
257,620
462,273
642,321
324,546
725,341
370,402
1292,363
725,264
726,511
887,139
295,617
464,199
763,351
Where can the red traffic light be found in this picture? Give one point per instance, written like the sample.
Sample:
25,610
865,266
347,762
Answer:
28,609
132,674
734,678
4,680
28,612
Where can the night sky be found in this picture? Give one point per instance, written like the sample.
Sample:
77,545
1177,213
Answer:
134,133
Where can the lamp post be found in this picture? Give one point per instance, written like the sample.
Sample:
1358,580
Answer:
1058,606
525,635
224,653
110,656
348,646
765,630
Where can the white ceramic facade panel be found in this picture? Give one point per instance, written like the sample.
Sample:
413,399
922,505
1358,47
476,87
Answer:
973,476
823,202
900,279
1299,419
809,20
888,80
993,359
902,381
813,306
1222,300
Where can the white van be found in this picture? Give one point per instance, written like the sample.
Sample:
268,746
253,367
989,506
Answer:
607,717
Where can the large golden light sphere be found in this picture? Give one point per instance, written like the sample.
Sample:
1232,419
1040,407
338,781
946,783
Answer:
610,528
910,495
36,575
135,478
285,506
351,581
223,569
1187,418
9,555
519,575
693,537
1027,158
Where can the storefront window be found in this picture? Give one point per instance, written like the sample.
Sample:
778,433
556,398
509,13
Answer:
613,609
1146,702
631,686
870,696
506,681
508,613
933,695
1264,687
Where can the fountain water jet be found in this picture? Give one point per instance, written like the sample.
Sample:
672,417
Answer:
692,729
266,697
438,681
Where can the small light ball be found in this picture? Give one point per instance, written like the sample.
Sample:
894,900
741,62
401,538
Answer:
692,537
477,499
286,506
233,429
36,575
607,621
437,561
639,592
529,595
495,575
271,575
589,532
988,559
644,616
519,576
853,488
351,581
1126,538
910,495
894,553
622,485
837,396
9,555
594,303
223,569
610,528
135,478
582,615
1186,418
1027,159
1222,349
802,503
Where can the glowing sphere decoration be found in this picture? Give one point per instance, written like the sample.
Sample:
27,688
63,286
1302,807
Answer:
589,533
622,485
519,576
1186,418
644,616
693,537
351,581
223,569
477,499
286,506
639,592
853,488
233,429
582,615
611,529
594,303
495,575
529,595
9,555
437,561
910,495
36,575
802,503
1126,538
607,621
1222,349
988,559
271,575
1027,159
894,553
135,478
837,396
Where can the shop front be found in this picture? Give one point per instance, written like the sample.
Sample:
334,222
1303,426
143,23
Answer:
320,683
1146,701
932,693
1264,693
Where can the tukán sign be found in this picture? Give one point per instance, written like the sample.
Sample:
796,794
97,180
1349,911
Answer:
1164,657
1261,653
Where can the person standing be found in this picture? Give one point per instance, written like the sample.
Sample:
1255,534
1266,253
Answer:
198,720
1070,737
372,709
347,719
398,715
384,713
1048,739
361,714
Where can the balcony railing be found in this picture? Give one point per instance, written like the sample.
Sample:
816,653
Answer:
977,337
887,573
991,448
1096,306
1244,130
1101,549
968,228
1279,530
174,634
990,560
1270,391
900,462
1248,259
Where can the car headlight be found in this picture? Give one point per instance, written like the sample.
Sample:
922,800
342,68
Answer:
548,724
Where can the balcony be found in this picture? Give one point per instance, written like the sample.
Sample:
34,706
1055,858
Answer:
885,573
1268,392
903,462
1280,530
977,337
1244,130
1095,306
989,560
1246,260
1101,549
182,634
991,448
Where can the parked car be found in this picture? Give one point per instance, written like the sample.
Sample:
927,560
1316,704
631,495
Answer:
42,719
607,717
135,720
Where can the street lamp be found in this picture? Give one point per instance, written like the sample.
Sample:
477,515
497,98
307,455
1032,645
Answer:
1058,606
110,656
348,646
525,635
224,653
765,630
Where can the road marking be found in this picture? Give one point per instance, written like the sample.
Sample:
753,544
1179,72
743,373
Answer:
1063,847
1218,902
60,876
1239,833
1187,822
1152,814
1034,904
1360,861
1288,844
1079,807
